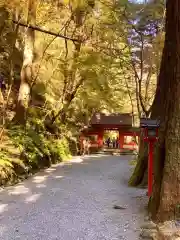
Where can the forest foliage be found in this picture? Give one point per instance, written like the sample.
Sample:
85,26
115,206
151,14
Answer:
61,61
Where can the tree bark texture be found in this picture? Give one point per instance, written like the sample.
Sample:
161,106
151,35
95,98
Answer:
166,189
139,176
139,172
27,67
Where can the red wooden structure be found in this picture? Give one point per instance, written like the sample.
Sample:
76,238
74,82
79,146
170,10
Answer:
120,122
150,132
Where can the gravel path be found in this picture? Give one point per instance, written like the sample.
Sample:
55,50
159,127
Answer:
74,202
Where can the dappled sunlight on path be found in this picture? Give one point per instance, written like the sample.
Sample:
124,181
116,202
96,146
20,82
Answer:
74,201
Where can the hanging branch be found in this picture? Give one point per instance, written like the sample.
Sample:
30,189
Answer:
36,28
44,52
69,99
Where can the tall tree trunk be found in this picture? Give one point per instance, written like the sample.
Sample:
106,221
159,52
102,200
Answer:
27,68
139,176
166,189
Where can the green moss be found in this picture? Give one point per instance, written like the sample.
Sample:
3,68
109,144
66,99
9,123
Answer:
133,162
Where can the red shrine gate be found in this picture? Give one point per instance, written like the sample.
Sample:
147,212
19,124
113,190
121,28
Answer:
118,122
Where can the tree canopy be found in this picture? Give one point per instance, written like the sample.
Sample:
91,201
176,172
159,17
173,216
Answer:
61,61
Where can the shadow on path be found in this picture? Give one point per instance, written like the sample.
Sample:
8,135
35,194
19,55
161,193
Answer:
74,201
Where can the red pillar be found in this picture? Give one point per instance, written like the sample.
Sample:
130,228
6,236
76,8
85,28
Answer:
121,140
100,139
150,168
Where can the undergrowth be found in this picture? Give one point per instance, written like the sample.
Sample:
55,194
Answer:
35,149
133,162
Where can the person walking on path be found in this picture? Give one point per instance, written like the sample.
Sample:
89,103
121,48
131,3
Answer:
108,142
114,142
85,147
117,142
88,144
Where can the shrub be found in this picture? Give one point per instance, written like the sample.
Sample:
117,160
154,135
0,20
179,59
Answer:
30,149
38,148
10,166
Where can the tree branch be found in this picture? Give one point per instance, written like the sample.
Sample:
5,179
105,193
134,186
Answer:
69,99
36,28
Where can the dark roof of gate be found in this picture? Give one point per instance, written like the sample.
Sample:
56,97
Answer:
124,119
